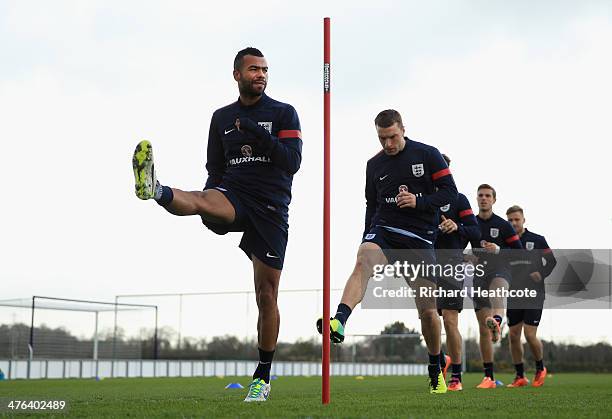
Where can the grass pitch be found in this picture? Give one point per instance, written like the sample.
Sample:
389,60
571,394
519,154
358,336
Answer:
564,395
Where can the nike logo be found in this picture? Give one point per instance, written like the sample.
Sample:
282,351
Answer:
383,177
272,256
228,131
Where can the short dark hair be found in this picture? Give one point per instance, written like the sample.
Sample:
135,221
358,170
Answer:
387,118
514,208
487,186
242,53
446,159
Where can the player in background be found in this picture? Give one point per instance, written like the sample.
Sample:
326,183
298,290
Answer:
496,235
254,149
406,183
458,226
528,272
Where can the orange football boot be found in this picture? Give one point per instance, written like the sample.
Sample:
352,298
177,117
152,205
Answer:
487,382
519,382
448,363
538,381
455,385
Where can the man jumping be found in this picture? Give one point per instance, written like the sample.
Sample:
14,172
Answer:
406,183
254,149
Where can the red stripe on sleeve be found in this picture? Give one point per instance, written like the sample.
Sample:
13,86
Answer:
512,239
466,213
290,133
441,173
545,251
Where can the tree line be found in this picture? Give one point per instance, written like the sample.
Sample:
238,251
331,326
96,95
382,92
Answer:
396,343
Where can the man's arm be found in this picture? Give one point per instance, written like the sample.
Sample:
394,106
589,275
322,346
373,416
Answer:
446,190
511,239
285,149
370,195
550,259
468,226
215,161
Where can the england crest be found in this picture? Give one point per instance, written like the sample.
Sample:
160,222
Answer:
266,125
529,245
494,232
418,170
445,208
246,150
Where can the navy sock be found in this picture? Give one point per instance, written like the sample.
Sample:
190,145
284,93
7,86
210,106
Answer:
539,365
434,365
488,369
265,364
166,196
498,319
520,370
343,313
456,371
442,360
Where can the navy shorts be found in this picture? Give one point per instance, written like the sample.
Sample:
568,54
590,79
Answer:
449,303
449,283
529,316
484,282
262,238
400,248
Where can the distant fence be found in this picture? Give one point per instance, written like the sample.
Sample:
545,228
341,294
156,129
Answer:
87,368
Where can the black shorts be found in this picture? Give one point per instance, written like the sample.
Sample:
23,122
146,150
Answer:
449,302
400,248
449,283
484,282
262,238
530,317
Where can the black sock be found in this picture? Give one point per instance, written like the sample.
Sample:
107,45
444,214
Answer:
540,365
488,369
166,196
456,371
434,365
343,313
498,319
520,370
264,366
442,360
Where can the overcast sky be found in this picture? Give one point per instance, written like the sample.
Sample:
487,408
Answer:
516,93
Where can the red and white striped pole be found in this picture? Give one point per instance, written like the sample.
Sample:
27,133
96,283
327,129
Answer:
326,209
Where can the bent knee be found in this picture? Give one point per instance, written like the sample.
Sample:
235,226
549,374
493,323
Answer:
201,202
370,254
365,261
214,206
